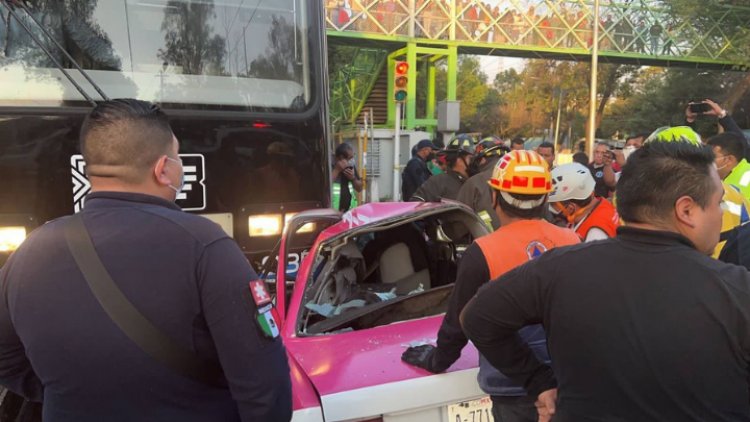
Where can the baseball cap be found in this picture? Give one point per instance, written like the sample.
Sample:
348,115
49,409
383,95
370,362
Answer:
426,143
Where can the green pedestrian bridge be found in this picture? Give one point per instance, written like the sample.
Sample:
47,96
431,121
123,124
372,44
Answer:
425,32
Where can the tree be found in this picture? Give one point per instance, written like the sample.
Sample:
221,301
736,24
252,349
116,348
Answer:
278,61
188,38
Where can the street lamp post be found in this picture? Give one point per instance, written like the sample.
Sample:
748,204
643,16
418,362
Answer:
592,91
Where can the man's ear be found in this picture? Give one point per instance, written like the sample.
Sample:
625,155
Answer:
685,210
159,170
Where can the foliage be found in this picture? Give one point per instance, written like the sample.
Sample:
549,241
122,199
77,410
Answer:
188,40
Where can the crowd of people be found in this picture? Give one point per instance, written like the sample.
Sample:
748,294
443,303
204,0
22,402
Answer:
645,287
626,26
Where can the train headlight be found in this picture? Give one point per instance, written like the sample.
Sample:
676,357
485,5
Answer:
11,237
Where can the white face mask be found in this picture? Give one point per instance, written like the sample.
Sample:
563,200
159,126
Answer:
627,151
182,181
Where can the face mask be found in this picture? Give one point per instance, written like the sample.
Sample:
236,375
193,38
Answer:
627,151
182,181
430,156
351,162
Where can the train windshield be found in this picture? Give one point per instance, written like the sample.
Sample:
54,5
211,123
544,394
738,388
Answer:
242,55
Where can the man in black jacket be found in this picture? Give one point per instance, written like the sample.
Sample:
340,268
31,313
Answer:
642,327
416,171
180,271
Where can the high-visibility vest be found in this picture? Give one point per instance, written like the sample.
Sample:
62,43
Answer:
604,217
521,241
336,195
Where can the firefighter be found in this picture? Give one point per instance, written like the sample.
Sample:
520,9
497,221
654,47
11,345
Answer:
475,193
520,183
459,154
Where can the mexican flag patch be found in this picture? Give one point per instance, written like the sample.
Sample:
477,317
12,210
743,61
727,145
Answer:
267,323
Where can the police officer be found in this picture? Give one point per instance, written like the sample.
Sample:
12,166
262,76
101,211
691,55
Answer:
62,341
520,184
416,171
475,193
458,155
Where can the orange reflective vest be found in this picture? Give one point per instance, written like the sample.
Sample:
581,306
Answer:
604,217
520,242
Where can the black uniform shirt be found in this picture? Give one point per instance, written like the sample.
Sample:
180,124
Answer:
442,186
184,274
640,327
415,174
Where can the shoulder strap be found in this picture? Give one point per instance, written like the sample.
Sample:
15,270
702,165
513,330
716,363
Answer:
134,324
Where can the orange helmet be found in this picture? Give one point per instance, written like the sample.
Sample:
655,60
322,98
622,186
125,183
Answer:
522,172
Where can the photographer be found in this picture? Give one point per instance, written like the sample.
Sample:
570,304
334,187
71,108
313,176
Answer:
711,108
601,169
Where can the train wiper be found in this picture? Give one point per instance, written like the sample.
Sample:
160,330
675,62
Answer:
8,4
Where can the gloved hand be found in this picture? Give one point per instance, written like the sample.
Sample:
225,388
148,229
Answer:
423,357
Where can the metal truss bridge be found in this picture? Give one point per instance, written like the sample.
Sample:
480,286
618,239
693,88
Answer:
640,32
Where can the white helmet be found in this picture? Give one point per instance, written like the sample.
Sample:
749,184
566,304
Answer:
571,181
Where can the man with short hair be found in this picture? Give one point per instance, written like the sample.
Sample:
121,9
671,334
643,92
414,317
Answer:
601,169
517,143
416,171
346,180
547,151
733,168
520,183
61,341
626,348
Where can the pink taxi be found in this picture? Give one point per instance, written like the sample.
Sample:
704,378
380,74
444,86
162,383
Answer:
376,280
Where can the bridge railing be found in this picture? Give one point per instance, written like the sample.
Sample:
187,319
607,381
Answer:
645,28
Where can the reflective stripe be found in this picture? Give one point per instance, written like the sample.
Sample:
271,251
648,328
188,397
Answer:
735,209
745,180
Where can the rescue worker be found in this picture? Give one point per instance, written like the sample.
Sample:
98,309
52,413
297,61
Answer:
458,155
729,149
736,206
517,143
346,180
475,193
643,327
520,183
573,200
417,169
154,319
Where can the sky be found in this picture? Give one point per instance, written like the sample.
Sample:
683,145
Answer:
492,65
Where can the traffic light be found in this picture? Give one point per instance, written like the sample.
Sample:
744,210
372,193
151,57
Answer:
400,81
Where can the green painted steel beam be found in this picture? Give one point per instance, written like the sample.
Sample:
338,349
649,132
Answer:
411,87
452,73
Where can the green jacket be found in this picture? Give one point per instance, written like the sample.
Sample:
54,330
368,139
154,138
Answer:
740,178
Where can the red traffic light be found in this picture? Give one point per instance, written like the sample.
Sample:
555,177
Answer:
402,68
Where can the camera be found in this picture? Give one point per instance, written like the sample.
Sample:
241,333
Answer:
699,108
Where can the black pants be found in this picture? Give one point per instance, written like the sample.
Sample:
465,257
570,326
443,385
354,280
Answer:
514,409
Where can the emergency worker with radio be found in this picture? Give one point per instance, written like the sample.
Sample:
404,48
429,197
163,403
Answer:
520,184
573,201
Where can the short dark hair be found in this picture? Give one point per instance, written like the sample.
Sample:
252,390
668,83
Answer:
730,143
343,149
547,145
581,157
526,214
517,140
123,138
658,174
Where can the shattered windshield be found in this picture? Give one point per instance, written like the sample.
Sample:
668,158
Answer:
386,274
233,54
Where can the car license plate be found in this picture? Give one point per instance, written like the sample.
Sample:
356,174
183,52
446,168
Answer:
479,410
